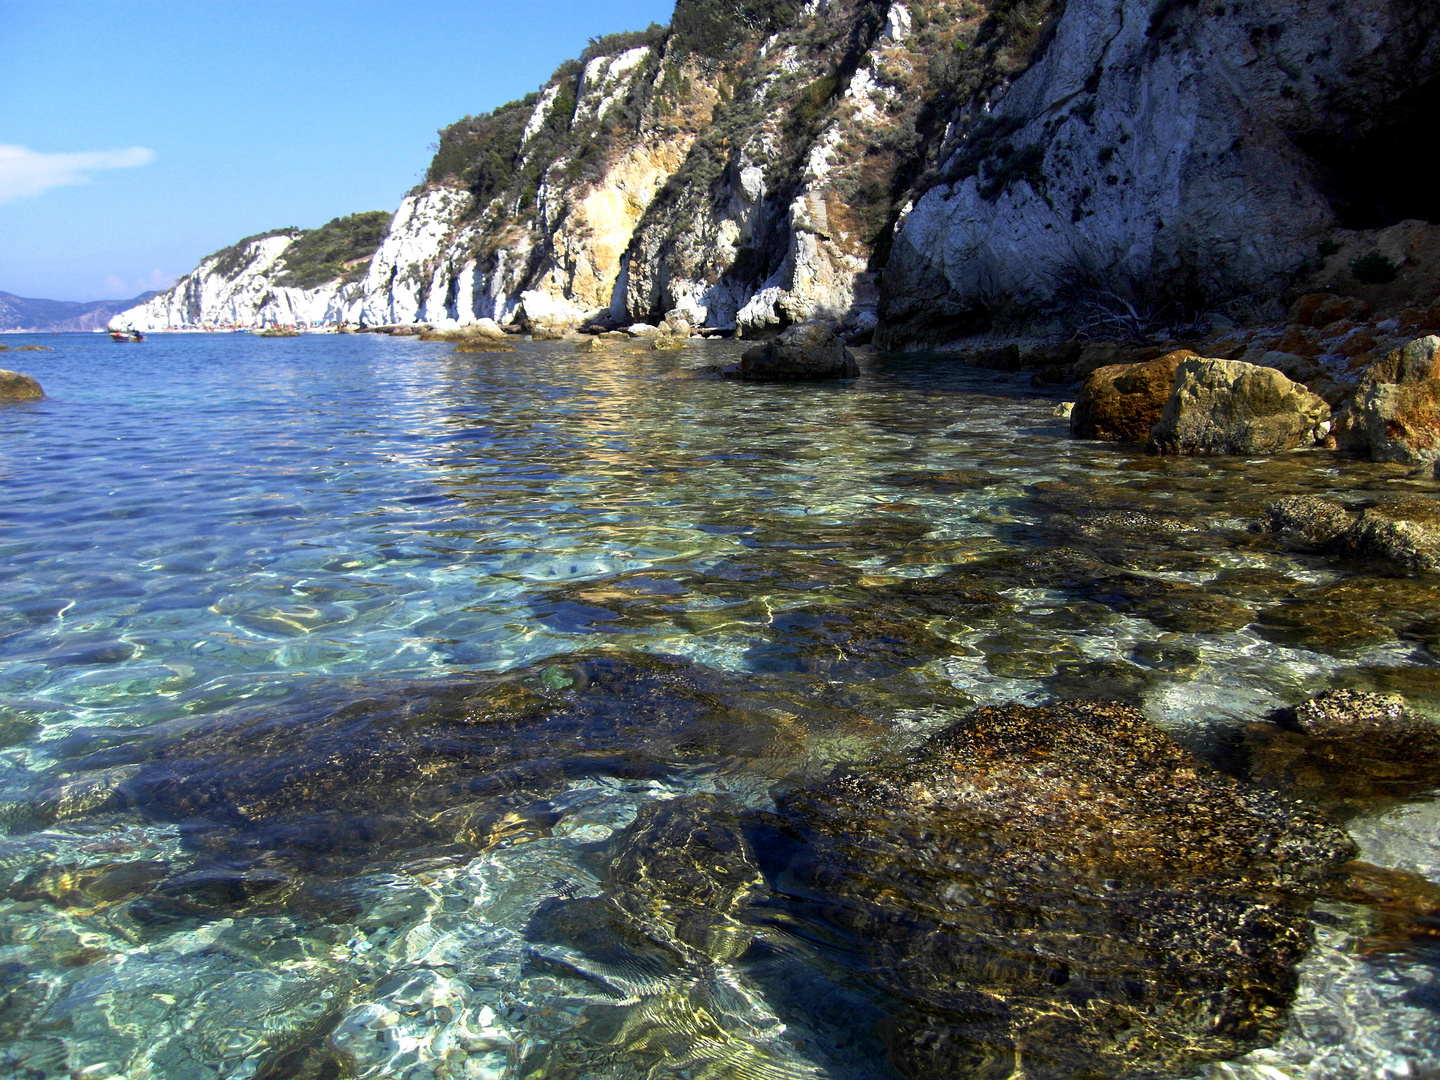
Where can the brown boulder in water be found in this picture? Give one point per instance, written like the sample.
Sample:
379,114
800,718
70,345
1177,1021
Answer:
1231,407
1063,891
17,387
1122,402
805,352
1396,411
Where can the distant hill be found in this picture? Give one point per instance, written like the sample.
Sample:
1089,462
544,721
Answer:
61,316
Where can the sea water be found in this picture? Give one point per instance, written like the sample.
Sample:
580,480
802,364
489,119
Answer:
204,535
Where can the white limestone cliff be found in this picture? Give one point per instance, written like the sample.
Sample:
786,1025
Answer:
1154,151
988,163
236,290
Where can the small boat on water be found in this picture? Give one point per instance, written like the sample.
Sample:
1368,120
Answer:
126,335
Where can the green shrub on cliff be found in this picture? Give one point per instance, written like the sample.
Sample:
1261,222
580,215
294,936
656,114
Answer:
324,254
1374,269
713,27
229,261
615,44
479,151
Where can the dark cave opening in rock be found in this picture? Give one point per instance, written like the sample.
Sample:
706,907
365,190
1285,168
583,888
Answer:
1377,177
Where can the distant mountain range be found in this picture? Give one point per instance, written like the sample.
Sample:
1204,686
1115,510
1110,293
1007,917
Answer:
61,316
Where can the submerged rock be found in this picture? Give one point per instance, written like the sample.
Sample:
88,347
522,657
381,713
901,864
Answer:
439,766
1349,751
1061,892
17,387
1050,892
483,345
808,351
684,870
1310,520
1230,407
1122,402
1404,531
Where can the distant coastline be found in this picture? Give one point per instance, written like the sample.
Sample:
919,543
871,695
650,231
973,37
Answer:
30,315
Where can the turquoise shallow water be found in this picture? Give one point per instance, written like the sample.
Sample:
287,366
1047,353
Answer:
203,530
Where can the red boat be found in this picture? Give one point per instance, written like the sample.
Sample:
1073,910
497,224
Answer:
126,335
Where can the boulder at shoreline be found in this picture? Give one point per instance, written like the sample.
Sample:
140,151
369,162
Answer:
17,387
1122,402
1231,407
1395,415
804,352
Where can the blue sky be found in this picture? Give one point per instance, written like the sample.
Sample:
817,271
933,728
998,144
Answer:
137,136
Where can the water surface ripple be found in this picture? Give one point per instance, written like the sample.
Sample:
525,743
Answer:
331,669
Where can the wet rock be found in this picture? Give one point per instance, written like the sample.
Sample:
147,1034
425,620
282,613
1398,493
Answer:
1173,605
1059,892
1230,407
1402,531
1122,402
17,387
483,345
683,870
1349,751
1395,415
804,352
667,343
591,345
1321,626
1322,309
1308,521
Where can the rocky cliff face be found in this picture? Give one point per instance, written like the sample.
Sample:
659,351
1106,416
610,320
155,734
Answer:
760,162
284,278
1171,152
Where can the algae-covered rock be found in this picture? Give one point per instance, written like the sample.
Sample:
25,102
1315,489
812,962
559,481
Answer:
17,387
804,352
1404,531
1308,520
482,345
1061,892
1349,751
1230,407
1122,402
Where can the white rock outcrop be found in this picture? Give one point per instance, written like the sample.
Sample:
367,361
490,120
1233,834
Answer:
235,290
1153,149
